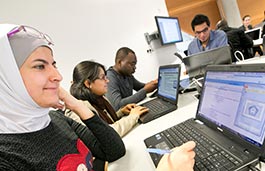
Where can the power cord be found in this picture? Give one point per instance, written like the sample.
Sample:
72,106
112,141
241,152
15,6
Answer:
194,81
253,168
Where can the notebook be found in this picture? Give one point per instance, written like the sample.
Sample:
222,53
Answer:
254,33
229,127
167,93
196,63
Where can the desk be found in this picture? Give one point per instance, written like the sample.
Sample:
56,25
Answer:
136,158
254,60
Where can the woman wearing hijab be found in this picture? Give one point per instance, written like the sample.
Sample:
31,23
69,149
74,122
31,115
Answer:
89,85
31,137
34,138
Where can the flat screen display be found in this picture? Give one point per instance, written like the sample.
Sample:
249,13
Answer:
168,29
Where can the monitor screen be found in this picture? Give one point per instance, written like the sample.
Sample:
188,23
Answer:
168,29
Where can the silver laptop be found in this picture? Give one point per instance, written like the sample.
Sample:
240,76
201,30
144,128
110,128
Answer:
166,99
196,63
229,127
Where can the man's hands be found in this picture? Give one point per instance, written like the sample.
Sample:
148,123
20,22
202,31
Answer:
151,86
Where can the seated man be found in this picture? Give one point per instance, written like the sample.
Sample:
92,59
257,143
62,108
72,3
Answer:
205,38
122,82
238,40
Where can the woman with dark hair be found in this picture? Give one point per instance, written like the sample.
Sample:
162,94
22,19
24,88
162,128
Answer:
89,85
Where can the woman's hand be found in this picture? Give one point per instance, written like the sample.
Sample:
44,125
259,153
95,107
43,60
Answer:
180,159
127,109
70,102
138,110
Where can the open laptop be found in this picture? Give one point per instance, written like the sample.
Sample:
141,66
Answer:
255,34
229,127
195,64
167,93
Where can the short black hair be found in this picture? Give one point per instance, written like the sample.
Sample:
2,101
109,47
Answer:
199,19
122,53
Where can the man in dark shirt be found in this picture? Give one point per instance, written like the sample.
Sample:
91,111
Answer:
122,82
237,39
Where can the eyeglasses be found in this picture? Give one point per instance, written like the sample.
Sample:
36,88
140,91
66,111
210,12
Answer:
203,31
103,77
31,32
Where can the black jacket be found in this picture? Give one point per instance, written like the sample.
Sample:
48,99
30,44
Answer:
238,40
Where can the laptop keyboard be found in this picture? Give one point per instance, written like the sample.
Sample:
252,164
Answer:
209,155
157,106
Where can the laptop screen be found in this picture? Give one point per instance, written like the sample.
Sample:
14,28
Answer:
254,33
235,101
168,81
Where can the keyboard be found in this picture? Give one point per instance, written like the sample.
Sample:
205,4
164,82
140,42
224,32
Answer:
209,155
157,106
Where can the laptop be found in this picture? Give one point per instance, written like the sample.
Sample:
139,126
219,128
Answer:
195,64
256,35
229,127
167,93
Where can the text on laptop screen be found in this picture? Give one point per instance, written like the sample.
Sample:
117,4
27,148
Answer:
168,82
236,100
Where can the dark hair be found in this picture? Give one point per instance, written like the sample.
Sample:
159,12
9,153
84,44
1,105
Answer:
122,53
85,70
245,17
222,24
199,19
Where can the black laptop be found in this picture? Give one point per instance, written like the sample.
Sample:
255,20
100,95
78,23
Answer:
254,33
229,127
166,99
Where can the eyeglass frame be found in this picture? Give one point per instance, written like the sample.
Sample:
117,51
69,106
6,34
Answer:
24,28
203,31
104,77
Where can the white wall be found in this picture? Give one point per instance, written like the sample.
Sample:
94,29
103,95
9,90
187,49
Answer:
231,12
86,29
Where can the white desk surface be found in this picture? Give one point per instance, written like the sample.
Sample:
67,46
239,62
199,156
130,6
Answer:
257,59
136,158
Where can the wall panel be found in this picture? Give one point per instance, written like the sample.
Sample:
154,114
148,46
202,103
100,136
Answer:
185,10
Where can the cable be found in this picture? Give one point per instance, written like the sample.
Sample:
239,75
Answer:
194,81
241,54
253,168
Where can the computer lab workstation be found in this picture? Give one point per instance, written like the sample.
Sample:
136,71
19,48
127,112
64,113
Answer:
219,105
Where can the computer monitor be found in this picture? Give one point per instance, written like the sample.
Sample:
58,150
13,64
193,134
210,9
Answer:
197,63
168,29
255,33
